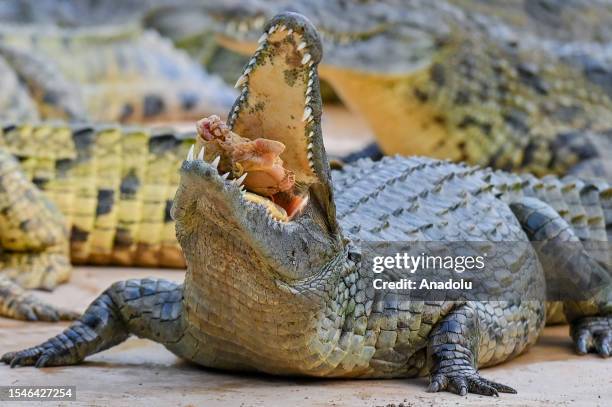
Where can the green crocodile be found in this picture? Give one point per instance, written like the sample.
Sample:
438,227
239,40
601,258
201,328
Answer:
516,86
111,73
279,288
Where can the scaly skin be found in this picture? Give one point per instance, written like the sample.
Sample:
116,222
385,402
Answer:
114,186
107,197
496,86
109,73
290,297
34,243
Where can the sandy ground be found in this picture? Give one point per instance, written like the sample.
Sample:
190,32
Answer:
140,372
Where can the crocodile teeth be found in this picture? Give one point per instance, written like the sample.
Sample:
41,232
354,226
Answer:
309,155
272,29
201,154
216,161
263,38
240,81
311,135
241,179
247,71
310,82
306,58
309,146
282,28
224,176
301,46
190,154
308,90
290,31
307,113
307,100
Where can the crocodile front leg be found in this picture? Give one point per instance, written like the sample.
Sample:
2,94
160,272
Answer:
148,308
452,351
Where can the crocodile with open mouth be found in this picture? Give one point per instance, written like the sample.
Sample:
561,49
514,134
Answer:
274,278
519,85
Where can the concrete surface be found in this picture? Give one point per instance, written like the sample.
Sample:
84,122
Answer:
139,372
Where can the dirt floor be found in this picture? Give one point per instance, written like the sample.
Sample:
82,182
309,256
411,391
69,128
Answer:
140,372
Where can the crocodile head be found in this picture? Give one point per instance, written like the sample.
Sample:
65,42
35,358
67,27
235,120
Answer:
292,232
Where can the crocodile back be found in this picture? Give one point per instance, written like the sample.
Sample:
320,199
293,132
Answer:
114,185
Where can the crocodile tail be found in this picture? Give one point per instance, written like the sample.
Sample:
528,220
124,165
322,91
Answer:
586,204
113,184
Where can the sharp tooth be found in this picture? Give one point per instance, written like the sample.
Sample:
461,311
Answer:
310,82
311,134
308,90
282,28
190,154
201,154
310,73
290,31
307,100
301,46
241,179
306,58
309,155
252,61
263,38
307,113
224,176
272,29
240,81
247,71
309,146
216,161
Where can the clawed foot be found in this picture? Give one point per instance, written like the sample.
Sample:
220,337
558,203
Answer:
30,308
46,354
593,334
466,380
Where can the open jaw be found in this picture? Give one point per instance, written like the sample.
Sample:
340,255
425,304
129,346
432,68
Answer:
271,149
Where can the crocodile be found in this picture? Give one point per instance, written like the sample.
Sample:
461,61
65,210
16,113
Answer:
519,86
111,73
281,291
110,189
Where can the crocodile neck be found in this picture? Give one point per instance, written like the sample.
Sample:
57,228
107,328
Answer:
245,312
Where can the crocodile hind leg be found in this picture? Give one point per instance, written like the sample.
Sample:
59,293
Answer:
567,264
456,341
17,303
147,308
34,242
